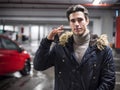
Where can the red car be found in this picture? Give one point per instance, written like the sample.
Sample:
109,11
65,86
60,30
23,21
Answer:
13,58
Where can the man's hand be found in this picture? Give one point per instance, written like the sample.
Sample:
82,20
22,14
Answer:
54,32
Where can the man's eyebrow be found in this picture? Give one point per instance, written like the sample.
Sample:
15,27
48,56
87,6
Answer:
72,19
79,18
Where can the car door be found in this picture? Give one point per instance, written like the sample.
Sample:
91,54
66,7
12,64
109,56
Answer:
9,56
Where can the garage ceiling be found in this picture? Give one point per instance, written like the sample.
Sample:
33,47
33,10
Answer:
58,1
54,3
27,11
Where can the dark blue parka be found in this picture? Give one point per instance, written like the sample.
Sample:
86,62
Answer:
95,72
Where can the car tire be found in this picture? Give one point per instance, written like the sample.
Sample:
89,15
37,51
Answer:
27,67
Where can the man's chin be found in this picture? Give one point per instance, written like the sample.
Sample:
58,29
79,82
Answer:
78,33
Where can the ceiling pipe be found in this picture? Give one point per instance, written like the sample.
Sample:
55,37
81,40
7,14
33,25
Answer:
50,5
99,5
46,3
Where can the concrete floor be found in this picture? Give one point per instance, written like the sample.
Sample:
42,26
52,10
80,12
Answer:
41,80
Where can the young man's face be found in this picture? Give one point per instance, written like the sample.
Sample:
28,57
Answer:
78,23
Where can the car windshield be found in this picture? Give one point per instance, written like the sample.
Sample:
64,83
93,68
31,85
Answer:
0,43
8,44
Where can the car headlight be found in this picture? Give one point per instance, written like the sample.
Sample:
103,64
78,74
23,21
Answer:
25,52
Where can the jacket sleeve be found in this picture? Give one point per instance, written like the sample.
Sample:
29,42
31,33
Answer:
107,77
44,56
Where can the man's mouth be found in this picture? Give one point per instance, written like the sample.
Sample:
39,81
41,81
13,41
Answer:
77,29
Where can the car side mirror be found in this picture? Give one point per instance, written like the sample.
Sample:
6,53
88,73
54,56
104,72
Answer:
20,50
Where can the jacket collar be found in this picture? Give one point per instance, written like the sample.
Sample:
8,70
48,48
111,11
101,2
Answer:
90,52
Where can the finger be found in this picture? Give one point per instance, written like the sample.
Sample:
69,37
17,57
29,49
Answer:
54,32
60,27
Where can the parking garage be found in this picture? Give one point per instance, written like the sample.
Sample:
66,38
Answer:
26,22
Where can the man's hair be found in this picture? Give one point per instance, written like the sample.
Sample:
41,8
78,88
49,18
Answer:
76,8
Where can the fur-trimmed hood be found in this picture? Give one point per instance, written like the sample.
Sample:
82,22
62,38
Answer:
100,41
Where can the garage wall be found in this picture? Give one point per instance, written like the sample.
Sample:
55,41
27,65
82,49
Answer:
102,18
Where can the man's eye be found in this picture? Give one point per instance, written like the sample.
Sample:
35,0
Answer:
73,21
80,19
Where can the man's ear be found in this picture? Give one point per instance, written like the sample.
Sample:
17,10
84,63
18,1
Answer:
87,21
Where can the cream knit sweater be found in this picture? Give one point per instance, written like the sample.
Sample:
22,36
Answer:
80,45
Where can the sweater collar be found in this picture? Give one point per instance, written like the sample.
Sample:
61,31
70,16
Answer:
82,39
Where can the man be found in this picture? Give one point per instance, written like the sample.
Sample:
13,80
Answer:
78,65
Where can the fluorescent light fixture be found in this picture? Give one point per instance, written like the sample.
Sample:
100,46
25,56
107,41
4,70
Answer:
117,13
96,2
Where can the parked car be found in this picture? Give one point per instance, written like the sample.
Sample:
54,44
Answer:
13,58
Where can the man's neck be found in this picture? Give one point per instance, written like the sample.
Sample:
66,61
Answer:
81,39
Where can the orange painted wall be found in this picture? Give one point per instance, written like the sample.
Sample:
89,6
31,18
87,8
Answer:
117,43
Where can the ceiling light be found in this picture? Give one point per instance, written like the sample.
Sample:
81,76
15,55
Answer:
96,2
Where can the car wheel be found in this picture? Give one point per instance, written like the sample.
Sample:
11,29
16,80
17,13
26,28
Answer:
26,69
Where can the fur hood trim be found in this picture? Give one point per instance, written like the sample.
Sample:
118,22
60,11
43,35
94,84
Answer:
101,41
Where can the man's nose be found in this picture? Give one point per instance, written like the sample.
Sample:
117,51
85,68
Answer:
76,23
